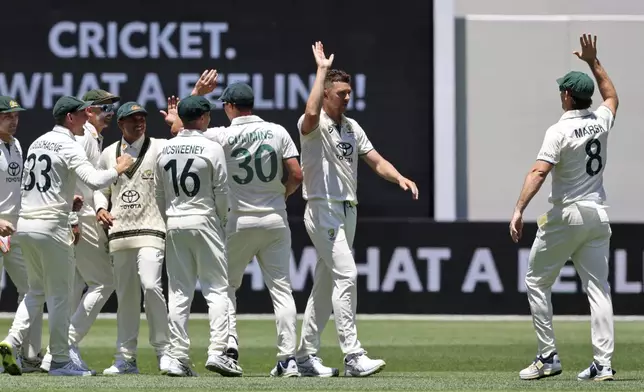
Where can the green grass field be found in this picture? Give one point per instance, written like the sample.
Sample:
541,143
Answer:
420,355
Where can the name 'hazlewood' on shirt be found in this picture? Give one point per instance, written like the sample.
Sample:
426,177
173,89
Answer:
250,137
46,145
589,130
183,149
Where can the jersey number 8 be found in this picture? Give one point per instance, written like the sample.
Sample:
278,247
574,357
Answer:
594,156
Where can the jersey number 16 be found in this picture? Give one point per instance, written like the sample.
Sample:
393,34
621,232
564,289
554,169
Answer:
182,180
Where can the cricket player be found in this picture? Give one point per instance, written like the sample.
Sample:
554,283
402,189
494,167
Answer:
93,265
136,240
577,226
256,152
330,146
191,183
54,163
22,334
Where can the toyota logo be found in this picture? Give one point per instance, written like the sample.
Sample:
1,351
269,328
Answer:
345,148
130,196
14,169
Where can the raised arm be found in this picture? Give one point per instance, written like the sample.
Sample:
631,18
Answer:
314,103
606,88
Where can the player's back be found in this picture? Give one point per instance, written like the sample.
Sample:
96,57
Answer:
190,169
255,150
578,146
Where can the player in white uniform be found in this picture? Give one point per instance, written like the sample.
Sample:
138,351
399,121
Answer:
191,183
93,265
256,151
21,332
54,163
330,146
577,226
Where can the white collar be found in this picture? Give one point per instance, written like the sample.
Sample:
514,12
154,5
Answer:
575,114
136,145
241,120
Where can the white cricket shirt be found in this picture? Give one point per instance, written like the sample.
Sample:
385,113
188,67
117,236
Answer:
577,147
55,161
10,179
92,143
191,177
255,150
330,159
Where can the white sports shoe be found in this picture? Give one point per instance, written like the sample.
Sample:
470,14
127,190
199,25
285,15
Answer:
224,365
232,349
164,363
286,368
45,365
312,366
69,369
542,367
597,372
360,365
120,367
177,368
74,356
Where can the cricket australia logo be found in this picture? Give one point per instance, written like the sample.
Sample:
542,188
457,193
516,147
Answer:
147,175
346,151
130,197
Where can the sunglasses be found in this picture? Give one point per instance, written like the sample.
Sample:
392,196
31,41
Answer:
107,108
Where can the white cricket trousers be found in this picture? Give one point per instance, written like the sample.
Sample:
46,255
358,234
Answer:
331,227
580,231
195,251
136,269
267,237
94,268
23,333
50,268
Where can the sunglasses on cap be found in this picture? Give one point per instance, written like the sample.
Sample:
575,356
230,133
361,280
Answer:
107,108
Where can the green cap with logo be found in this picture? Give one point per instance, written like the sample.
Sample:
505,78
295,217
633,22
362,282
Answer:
69,104
9,105
578,83
192,107
238,94
128,109
98,96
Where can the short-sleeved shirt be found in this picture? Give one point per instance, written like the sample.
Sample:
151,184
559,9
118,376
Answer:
330,159
255,150
577,146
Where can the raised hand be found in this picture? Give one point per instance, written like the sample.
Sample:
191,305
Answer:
588,48
171,115
206,83
320,58
123,163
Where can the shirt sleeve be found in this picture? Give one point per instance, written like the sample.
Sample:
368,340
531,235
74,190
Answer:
216,134
605,117
314,133
102,196
220,181
95,179
288,149
159,190
362,141
551,147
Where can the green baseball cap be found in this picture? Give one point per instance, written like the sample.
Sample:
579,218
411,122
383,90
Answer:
238,94
578,83
128,109
69,104
9,105
192,107
98,96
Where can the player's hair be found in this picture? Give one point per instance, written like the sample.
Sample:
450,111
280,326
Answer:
245,107
580,104
60,120
336,75
190,123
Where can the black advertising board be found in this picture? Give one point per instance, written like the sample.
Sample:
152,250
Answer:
145,51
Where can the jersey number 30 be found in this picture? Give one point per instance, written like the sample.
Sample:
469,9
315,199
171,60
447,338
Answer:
594,156
182,180
31,181
257,162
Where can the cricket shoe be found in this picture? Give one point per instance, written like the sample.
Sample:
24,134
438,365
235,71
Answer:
286,368
32,365
177,368
9,360
74,356
360,365
224,365
233,348
312,366
597,372
542,367
164,363
121,367
68,369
